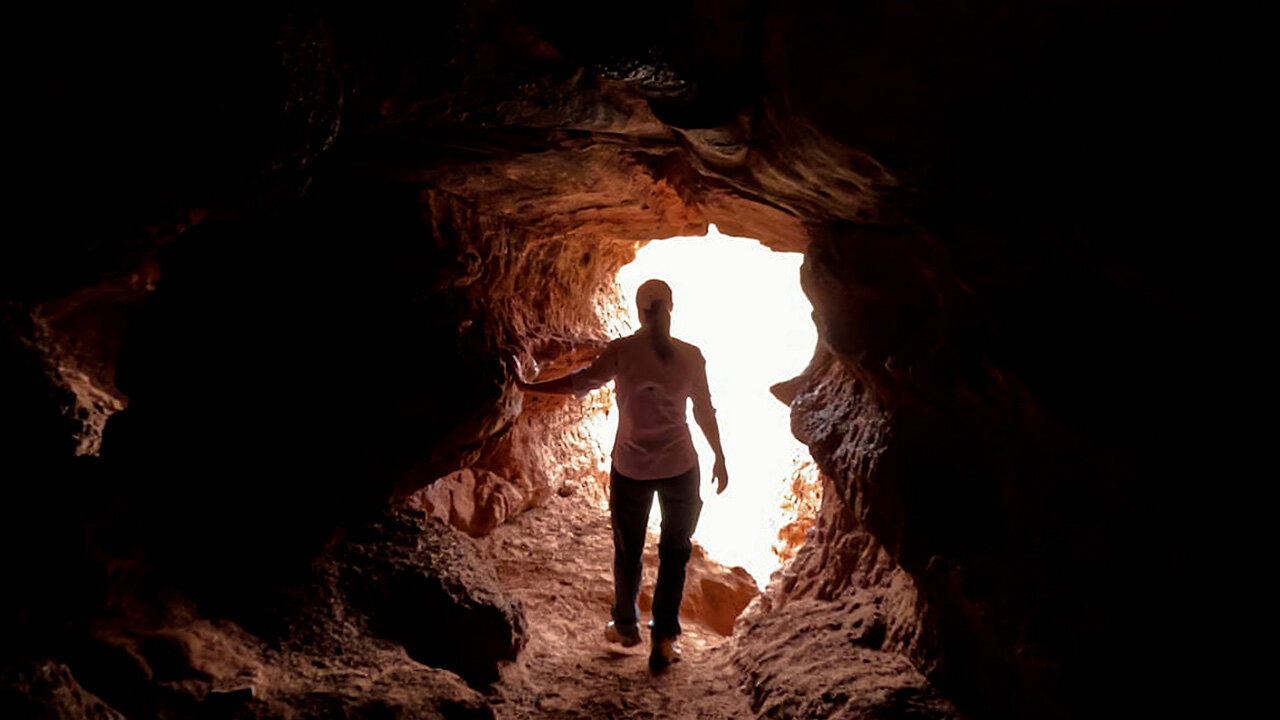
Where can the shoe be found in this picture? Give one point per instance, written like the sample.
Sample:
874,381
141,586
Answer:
624,635
664,653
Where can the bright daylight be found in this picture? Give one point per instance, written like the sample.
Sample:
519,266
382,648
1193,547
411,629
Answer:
741,303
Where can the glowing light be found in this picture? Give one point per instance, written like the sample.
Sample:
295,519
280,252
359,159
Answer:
741,304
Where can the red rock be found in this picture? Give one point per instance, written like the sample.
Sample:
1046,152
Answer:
358,214
47,689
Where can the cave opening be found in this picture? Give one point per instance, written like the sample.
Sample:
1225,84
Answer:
741,304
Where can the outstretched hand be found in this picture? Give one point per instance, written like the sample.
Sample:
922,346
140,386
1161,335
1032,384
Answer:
518,372
720,475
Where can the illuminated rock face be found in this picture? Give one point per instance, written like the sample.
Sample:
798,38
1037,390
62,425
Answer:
312,239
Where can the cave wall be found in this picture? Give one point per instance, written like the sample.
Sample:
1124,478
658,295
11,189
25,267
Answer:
321,232
1020,318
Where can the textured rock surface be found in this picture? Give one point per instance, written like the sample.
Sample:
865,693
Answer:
819,659
1027,231
81,335
394,619
842,560
557,559
474,501
424,587
548,449
46,690
196,668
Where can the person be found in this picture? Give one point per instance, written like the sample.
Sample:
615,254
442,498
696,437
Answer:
652,453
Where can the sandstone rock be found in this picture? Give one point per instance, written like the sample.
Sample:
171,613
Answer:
1014,257
211,670
424,586
799,662
46,690
841,559
81,335
51,496
395,619
474,501
719,601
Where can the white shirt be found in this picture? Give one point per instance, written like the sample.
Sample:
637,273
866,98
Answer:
653,440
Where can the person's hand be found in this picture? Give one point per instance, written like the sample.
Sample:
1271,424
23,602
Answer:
720,475
518,372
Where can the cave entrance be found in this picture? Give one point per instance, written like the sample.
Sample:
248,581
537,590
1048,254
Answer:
741,303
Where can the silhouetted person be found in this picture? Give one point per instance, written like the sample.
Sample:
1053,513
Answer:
653,452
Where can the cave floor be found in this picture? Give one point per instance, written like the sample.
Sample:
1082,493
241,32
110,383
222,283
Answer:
557,560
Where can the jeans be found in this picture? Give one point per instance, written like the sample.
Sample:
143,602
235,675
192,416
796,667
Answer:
629,503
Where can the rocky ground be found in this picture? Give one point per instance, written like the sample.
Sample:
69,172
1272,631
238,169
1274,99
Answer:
556,559
404,618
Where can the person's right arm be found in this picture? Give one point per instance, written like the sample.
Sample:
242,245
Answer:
559,386
600,371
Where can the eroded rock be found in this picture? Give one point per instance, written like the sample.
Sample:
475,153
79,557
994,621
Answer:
46,690
474,501
210,669
426,587
1021,248
396,618
816,659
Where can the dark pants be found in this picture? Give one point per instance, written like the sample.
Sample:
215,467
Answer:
629,503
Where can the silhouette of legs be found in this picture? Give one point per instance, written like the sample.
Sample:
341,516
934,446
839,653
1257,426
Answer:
629,504
681,505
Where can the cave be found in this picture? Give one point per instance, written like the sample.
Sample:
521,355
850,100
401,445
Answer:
268,270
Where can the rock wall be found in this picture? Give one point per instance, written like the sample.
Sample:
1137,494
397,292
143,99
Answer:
320,233
397,616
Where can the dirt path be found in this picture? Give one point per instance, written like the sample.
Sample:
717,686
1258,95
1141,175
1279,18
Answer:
557,559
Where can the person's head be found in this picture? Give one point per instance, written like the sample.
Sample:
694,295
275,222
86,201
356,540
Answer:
653,301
